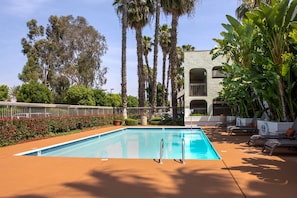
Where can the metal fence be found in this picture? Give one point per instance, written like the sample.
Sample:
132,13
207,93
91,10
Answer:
29,110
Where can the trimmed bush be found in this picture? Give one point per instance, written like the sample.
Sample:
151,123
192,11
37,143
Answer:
18,130
155,121
131,122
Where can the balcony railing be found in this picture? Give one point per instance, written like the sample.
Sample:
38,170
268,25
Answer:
198,89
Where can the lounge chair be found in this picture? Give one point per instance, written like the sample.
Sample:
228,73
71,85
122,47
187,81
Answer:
291,133
243,129
272,144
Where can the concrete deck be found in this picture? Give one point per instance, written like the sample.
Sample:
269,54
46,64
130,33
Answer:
243,172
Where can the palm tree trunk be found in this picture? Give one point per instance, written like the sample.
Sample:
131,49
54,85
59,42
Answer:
140,71
163,79
167,83
173,64
155,68
150,80
124,66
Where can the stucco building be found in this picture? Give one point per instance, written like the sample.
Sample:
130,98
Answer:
202,79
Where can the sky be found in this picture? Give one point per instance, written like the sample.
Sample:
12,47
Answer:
197,30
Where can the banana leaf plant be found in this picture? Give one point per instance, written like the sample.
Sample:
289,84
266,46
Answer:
261,58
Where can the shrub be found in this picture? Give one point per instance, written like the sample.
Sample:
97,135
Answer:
34,92
131,122
18,130
155,121
198,114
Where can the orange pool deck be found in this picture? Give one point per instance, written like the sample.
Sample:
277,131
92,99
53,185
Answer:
243,172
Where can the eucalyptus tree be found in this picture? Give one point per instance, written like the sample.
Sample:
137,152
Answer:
32,70
80,47
138,15
68,52
164,42
175,8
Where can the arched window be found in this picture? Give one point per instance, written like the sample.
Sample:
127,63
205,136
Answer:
217,72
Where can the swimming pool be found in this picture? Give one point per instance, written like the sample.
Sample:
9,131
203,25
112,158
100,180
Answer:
136,143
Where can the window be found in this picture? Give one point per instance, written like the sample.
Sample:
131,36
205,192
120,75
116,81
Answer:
217,72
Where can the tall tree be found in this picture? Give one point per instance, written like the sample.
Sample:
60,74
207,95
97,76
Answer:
70,50
138,15
176,8
124,59
180,69
164,38
147,48
156,47
121,7
247,6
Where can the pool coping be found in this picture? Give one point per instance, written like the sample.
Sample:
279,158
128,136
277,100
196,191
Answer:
243,172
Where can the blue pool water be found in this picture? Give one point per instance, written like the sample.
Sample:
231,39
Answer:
136,143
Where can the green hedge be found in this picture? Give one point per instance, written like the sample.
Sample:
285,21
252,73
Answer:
131,122
17,130
155,121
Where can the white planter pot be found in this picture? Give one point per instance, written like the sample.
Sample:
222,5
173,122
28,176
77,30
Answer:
272,128
244,121
202,120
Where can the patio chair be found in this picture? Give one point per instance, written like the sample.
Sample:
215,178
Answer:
243,129
272,144
291,133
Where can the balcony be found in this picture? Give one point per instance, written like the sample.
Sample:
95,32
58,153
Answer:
198,89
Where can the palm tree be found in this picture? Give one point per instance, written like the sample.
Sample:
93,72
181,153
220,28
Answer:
156,46
124,62
147,48
139,13
164,38
180,69
176,8
247,6
122,13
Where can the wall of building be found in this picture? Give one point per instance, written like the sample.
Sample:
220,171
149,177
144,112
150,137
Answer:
201,59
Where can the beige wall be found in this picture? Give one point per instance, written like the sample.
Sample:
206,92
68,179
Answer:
202,59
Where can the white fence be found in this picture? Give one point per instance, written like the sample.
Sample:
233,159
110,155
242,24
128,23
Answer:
29,110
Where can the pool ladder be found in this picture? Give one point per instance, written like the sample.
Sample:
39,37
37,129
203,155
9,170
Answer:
162,150
183,152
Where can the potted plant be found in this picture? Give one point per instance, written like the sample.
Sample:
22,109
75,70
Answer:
117,122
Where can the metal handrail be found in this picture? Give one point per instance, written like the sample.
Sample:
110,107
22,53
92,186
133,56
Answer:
183,151
161,151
